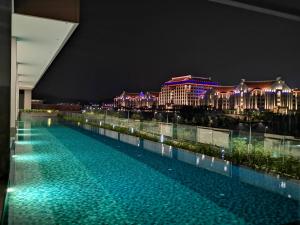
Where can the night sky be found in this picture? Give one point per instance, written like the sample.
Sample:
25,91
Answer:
137,46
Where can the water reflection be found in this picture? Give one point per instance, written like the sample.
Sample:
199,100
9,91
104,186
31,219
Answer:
27,134
285,187
49,122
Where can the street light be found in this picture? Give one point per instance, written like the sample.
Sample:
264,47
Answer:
167,116
155,112
128,116
177,118
266,127
250,135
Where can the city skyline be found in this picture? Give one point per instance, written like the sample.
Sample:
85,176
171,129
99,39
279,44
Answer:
187,90
140,45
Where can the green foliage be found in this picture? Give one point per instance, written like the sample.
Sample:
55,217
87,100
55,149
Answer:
257,157
136,116
38,111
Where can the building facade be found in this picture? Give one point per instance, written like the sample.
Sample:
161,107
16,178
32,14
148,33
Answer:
147,100
269,95
185,90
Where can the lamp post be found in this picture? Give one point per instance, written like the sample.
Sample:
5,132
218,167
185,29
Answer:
250,135
266,127
167,117
177,118
155,112
128,116
105,116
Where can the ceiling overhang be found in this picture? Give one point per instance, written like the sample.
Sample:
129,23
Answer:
285,9
39,40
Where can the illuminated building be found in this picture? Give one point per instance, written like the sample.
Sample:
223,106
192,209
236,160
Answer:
273,95
185,90
296,99
140,100
269,95
220,97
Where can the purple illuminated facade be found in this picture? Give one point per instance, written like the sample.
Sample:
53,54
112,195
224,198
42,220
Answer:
185,90
270,95
141,100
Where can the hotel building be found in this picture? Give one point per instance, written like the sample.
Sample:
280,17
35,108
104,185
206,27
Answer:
269,95
140,100
185,90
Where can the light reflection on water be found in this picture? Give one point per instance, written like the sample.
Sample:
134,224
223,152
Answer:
28,134
30,142
32,158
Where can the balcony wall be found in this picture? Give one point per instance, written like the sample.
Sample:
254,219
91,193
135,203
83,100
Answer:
66,10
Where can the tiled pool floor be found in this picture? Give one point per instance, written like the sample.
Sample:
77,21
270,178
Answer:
69,176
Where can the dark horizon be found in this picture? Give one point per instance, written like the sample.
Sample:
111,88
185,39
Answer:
138,46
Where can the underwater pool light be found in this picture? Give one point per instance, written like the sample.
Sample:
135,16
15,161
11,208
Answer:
197,160
225,168
9,190
283,184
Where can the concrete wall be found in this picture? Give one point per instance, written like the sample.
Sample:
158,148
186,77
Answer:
5,73
218,137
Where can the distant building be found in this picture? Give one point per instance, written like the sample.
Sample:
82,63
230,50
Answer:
269,95
221,97
296,99
107,106
140,100
39,104
185,90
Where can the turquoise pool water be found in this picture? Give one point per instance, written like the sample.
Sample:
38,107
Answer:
65,175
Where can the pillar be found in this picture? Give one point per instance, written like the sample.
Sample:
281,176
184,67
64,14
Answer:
17,95
13,85
27,99
5,73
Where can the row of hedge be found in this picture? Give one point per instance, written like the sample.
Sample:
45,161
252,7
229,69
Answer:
257,158
38,110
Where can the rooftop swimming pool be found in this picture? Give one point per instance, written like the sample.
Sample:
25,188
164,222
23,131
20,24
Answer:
66,175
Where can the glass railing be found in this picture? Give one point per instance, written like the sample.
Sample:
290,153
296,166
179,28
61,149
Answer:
278,145
272,153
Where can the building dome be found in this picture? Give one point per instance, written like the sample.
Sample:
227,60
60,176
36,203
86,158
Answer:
280,85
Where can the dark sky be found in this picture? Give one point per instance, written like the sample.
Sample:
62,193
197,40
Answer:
121,45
